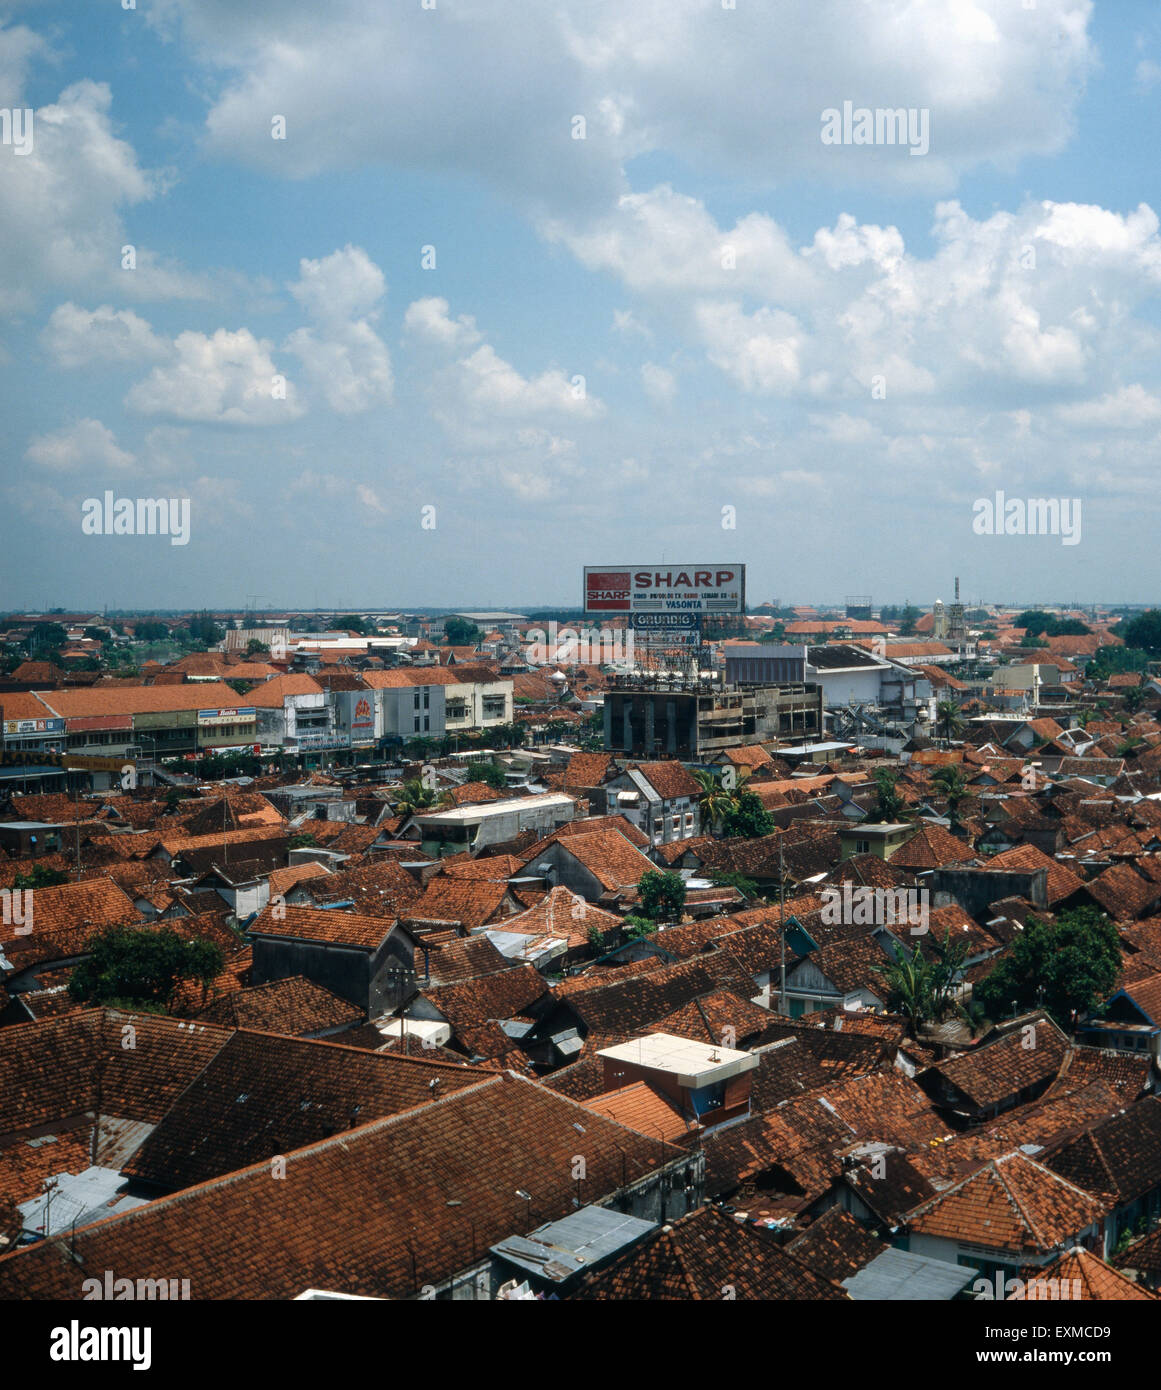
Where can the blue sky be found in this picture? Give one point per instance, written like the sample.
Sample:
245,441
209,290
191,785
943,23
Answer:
1003,287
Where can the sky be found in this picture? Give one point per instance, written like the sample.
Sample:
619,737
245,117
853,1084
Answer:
434,302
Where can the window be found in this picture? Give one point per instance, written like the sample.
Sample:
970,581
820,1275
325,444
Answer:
427,699
417,699
426,723
417,723
862,846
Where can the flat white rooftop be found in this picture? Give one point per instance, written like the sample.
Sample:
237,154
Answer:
462,815
694,1064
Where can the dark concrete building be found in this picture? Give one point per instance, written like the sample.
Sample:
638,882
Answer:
666,717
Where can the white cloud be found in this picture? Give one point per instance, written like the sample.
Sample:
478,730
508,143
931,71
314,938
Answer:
430,320
492,386
225,378
628,324
370,498
345,285
342,354
760,350
480,396
87,445
661,241
19,45
659,383
61,214
1129,408
734,91
79,337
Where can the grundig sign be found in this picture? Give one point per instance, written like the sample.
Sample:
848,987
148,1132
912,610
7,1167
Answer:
691,589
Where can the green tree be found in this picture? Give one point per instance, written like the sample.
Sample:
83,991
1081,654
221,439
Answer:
1068,967
40,876
45,640
953,786
907,620
662,895
1133,698
493,774
921,986
256,648
1037,623
747,818
202,628
460,632
890,807
1115,661
417,797
1143,631
351,622
637,928
729,878
143,967
948,720
715,799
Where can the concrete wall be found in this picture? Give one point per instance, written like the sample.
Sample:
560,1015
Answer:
974,889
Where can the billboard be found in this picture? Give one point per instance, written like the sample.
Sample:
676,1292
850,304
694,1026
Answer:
243,714
690,589
33,726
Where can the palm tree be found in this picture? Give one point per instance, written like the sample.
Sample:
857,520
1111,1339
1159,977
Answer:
908,988
891,808
419,797
953,785
921,988
716,800
947,718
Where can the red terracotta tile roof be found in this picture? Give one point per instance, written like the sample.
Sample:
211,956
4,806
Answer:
642,1108
1012,1204
65,919
471,902
695,1258
608,856
931,848
333,925
562,913
1086,1278
379,1210
294,1006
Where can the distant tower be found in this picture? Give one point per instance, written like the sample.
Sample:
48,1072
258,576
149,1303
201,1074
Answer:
956,625
938,621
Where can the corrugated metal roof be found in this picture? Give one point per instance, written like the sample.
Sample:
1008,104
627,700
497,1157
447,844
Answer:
580,1241
901,1275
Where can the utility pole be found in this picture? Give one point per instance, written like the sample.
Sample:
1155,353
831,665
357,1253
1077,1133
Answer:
782,924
